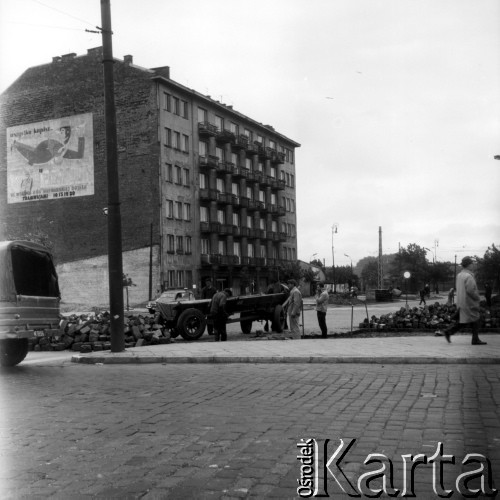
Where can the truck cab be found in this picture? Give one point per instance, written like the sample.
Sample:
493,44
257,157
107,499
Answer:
29,298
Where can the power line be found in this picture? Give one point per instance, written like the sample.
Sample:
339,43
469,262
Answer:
45,26
63,12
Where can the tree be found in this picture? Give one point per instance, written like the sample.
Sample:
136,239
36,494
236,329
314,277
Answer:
412,259
317,263
488,269
369,273
291,270
440,272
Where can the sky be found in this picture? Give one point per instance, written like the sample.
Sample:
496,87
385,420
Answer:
395,103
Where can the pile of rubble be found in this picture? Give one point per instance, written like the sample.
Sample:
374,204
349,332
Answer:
91,332
434,316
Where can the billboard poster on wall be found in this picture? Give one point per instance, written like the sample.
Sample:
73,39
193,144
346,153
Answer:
50,160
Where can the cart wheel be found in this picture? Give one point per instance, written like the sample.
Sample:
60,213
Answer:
278,319
191,324
13,351
246,324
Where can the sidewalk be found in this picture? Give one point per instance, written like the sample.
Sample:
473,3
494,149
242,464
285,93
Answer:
387,350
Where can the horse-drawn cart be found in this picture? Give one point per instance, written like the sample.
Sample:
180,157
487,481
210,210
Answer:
189,318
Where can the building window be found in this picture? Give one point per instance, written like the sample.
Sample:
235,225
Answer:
249,193
187,211
233,128
221,216
288,179
273,198
273,172
236,248
248,133
220,185
222,247
219,123
236,219
202,148
263,252
176,106
185,143
169,209
180,244
203,181
261,167
220,153
292,206
178,175
274,226
189,243
204,214
234,158
202,115
205,246
171,279
262,196
168,137
178,210
169,172
235,189
249,222
248,163
262,223
180,279
250,250
272,144
287,204
185,109
186,176
292,180
176,140
167,105
260,139
170,243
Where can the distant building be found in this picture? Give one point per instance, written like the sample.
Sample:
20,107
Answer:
210,190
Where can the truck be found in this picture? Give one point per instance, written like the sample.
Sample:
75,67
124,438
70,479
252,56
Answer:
189,318
29,298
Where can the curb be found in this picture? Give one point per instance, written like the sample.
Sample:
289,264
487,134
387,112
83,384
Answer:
119,359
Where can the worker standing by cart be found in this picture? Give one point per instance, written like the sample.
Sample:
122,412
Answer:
294,305
219,313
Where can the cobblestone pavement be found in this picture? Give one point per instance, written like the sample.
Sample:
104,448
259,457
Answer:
225,431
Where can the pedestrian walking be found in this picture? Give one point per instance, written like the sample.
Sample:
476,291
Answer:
294,305
487,294
451,297
207,292
321,308
219,314
468,300
422,297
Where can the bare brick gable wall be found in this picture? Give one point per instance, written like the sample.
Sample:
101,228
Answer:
68,86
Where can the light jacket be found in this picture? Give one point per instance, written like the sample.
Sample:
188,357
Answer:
322,301
294,302
467,298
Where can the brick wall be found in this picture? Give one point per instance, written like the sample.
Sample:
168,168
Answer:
69,86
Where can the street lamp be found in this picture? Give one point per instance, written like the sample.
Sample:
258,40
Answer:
349,257
406,276
433,257
334,230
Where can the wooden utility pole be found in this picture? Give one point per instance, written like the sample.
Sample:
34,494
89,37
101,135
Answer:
114,218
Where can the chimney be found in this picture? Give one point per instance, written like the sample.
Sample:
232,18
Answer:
96,52
56,59
68,57
128,60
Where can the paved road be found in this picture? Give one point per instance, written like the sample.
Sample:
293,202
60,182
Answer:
229,431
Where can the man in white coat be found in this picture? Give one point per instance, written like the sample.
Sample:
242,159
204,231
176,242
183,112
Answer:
467,301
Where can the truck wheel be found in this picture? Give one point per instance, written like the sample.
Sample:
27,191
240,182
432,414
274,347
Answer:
278,319
13,351
191,324
246,324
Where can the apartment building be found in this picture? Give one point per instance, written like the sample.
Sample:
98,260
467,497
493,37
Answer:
207,191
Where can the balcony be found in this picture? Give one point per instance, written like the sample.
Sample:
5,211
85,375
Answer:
229,260
240,172
206,162
277,157
266,180
240,142
206,129
226,167
271,235
277,183
248,261
262,151
244,231
281,236
205,227
244,201
225,229
252,148
208,194
261,206
260,261
225,136
225,198
273,209
281,211
252,205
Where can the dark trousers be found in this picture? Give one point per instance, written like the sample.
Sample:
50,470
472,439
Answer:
220,328
322,322
458,326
